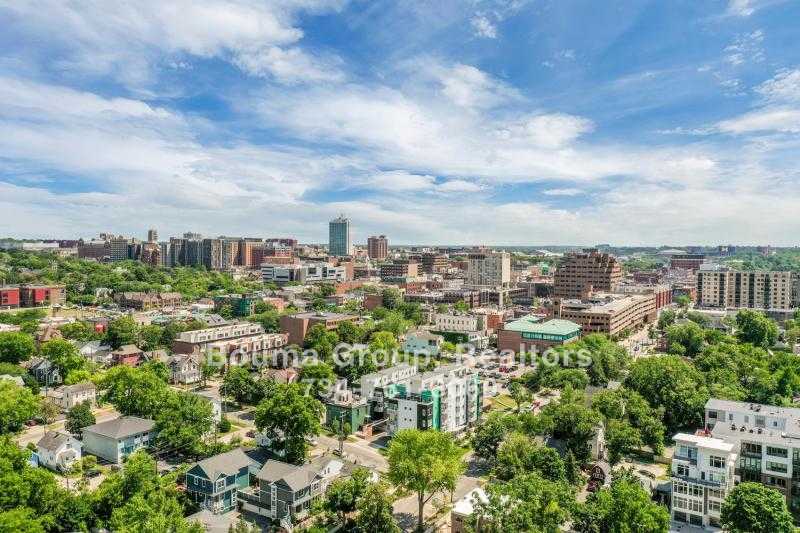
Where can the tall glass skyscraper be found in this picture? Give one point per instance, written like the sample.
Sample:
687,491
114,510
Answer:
339,243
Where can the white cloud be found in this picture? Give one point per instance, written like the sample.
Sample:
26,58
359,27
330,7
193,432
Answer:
400,181
562,192
742,8
468,86
483,27
783,87
745,48
128,40
782,119
456,186
290,65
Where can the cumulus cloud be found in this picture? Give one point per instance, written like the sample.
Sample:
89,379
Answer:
483,27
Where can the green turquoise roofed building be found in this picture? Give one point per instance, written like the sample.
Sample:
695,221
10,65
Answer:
532,332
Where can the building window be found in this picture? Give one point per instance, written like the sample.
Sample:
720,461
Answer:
777,452
682,470
777,467
716,462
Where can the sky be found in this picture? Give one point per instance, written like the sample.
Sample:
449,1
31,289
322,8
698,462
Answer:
496,122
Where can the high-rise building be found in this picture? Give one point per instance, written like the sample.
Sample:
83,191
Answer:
378,247
490,269
339,243
583,273
212,253
433,262
152,235
719,286
119,248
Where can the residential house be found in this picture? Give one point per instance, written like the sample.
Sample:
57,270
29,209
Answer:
463,509
72,395
422,342
44,371
96,352
214,483
184,368
116,439
127,354
58,450
285,492
215,400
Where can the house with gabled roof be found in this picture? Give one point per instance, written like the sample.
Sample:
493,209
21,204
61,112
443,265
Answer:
58,450
285,492
214,483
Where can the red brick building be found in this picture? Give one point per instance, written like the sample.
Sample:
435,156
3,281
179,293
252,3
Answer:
42,295
9,297
296,326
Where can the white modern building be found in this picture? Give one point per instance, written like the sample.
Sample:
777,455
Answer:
302,273
446,399
703,472
384,378
459,323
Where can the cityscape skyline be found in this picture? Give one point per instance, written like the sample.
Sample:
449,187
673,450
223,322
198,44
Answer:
491,122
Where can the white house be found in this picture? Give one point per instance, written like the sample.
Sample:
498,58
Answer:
72,395
58,450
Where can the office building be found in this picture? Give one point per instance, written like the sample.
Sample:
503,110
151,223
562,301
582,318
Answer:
339,241
399,269
608,313
725,288
583,273
119,248
378,247
662,292
152,235
433,263
687,261
489,269
212,254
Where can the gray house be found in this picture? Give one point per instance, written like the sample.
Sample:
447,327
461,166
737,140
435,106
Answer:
285,492
116,439
214,483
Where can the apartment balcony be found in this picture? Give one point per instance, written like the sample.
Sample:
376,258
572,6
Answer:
704,482
690,460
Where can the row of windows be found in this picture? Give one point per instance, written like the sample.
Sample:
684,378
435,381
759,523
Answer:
689,505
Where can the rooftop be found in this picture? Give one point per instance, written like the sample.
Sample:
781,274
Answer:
228,463
705,442
121,427
533,324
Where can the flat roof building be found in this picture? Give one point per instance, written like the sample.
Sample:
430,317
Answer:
531,333
583,273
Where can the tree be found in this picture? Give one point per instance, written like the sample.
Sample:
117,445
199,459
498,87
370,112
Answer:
240,385
343,494
756,328
288,415
16,347
154,511
526,503
21,520
64,355
349,332
518,393
150,337
317,377
182,421
755,508
671,384
17,404
621,439
375,511
666,319
133,391
424,462
78,331
209,367
683,301
623,507
570,420
519,454
685,339
490,434
48,411
321,341
121,331
391,298
384,342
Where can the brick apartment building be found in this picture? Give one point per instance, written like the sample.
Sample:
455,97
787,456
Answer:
687,261
584,272
724,288
378,247
399,269
42,295
9,297
663,293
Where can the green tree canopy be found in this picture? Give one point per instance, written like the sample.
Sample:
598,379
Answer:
17,404
16,347
424,462
755,508
756,328
79,417
287,416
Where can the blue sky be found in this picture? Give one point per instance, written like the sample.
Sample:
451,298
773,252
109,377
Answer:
476,121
